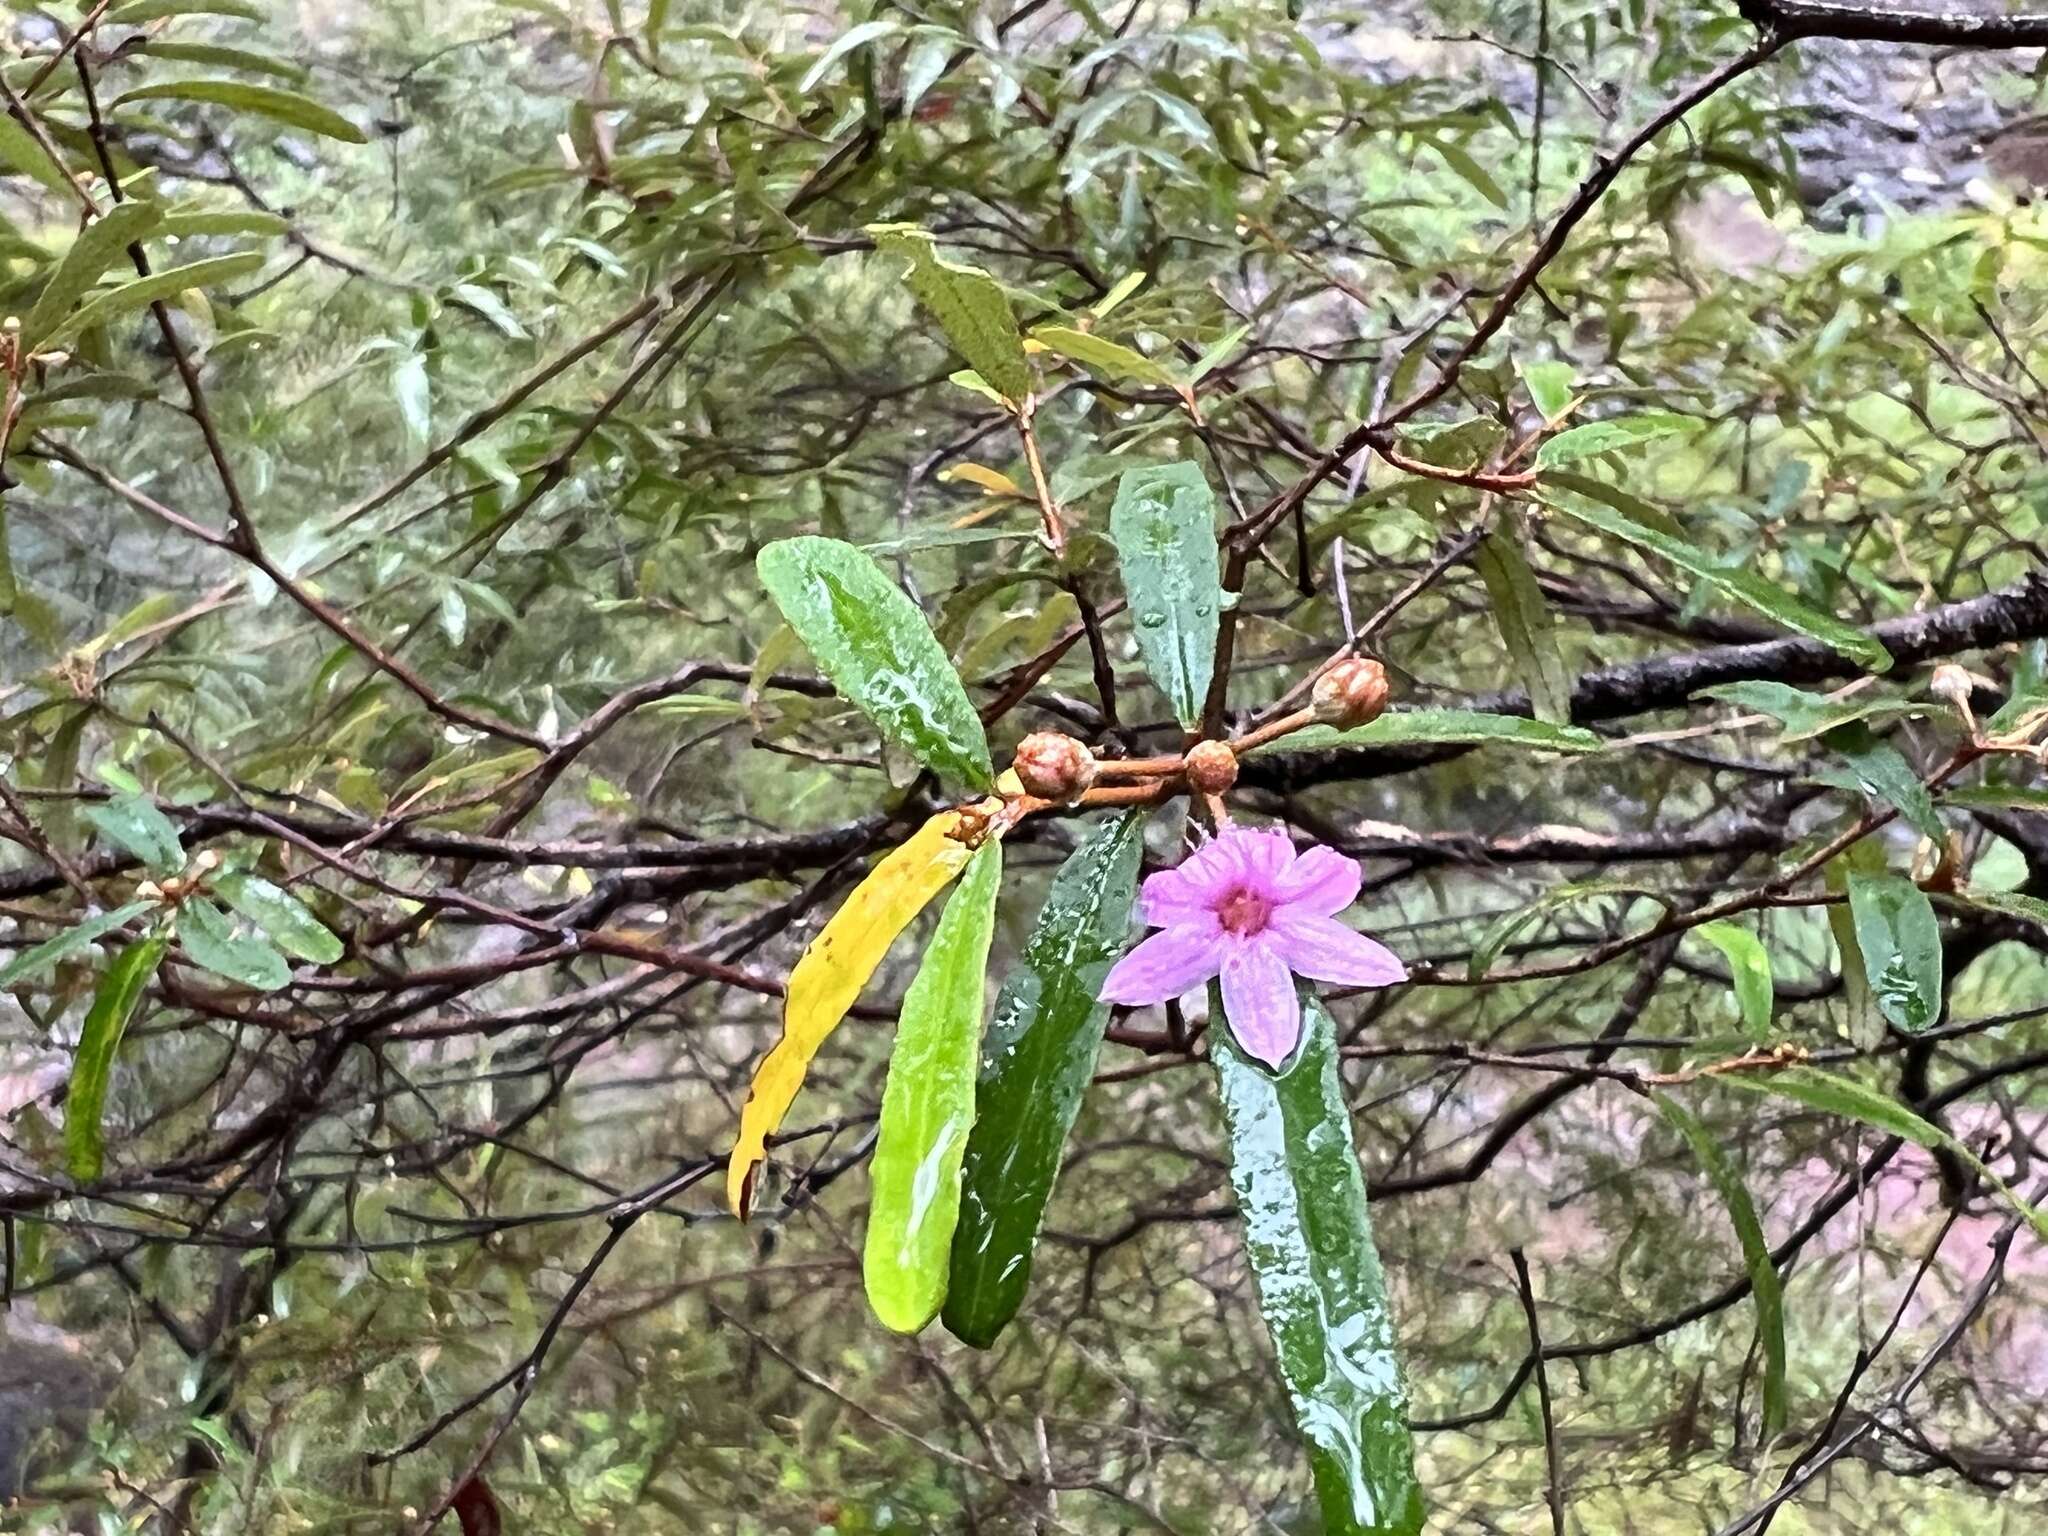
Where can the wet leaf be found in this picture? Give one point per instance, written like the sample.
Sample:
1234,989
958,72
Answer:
1036,1063
1756,1255
1901,943
30,963
1321,1288
1164,525
2028,691
286,920
98,1043
137,827
1878,770
928,1107
969,305
829,977
875,646
1806,715
1749,968
1505,927
1525,624
1443,728
207,937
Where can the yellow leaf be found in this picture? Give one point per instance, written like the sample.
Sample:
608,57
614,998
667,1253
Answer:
993,481
834,968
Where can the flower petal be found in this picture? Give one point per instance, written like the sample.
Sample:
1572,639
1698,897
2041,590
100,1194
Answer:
1165,965
1328,951
1259,1001
1261,856
1322,881
1211,871
1175,896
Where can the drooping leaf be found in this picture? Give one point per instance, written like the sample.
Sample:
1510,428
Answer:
209,939
1597,437
875,646
969,305
1876,768
928,1107
137,827
1506,926
414,394
830,974
99,1040
1737,582
281,916
1470,171
1749,968
147,290
1525,624
1756,1254
1443,728
1036,1063
1164,524
1997,797
2028,692
1107,359
854,37
1806,715
223,58
1901,942
98,246
288,107
30,963
2028,909
1321,1288
1549,386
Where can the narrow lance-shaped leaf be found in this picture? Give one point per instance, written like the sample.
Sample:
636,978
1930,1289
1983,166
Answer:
1877,768
1862,1022
1756,1255
1901,942
1597,437
139,828
287,107
1523,618
1036,1063
98,246
1443,728
98,1043
1321,1288
288,923
1805,715
830,974
1107,359
876,647
2028,692
1164,525
148,290
1749,969
209,939
928,1106
969,305
75,940
1740,583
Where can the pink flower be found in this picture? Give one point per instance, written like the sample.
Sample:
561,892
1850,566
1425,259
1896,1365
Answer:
1244,907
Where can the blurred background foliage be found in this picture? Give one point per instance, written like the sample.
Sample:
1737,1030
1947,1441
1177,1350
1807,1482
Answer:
570,311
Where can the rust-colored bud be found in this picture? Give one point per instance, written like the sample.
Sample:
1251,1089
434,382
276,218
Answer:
1054,766
1212,767
1353,692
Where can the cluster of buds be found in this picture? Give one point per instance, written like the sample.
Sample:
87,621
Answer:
177,887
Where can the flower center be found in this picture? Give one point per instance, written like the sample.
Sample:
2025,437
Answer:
1244,912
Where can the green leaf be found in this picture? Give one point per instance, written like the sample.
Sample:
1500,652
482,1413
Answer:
875,646
1597,437
8,590
138,11
186,223
1470,171
1037,1061
1739,583
223,58
845,43
1505,927
287,107
1164,525
19,152
208,938
2027,692
928,1107
1901,942
1997,797
1106,359
1629,505
1756,1254
1321,1288
1549,386
486,303
2028,909
409,387
969,305
1749,967
281,916
98,246
30,963
1525,625
148,290
98,1042
139,828
1122,289
1442,728
1806,715
1876,768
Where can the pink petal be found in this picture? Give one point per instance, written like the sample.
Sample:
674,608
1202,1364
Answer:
1260,1002
1175,896
1322,881
1328,951
1261,856
1211,872
1165,965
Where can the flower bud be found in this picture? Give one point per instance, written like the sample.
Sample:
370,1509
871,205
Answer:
1212,767
1353,692
1054,766
1952,682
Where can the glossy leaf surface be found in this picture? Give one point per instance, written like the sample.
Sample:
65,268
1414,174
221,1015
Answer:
1900,938
99,1041
1164,525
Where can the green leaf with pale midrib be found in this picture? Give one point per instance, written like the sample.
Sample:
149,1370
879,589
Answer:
288,107
1321,1288
1442,728
1163,522
969,305
1901,942
281,916
99,1041
33,961
140,829
1524,621
208,939
875,646
148,290
1036,1062
928,1107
